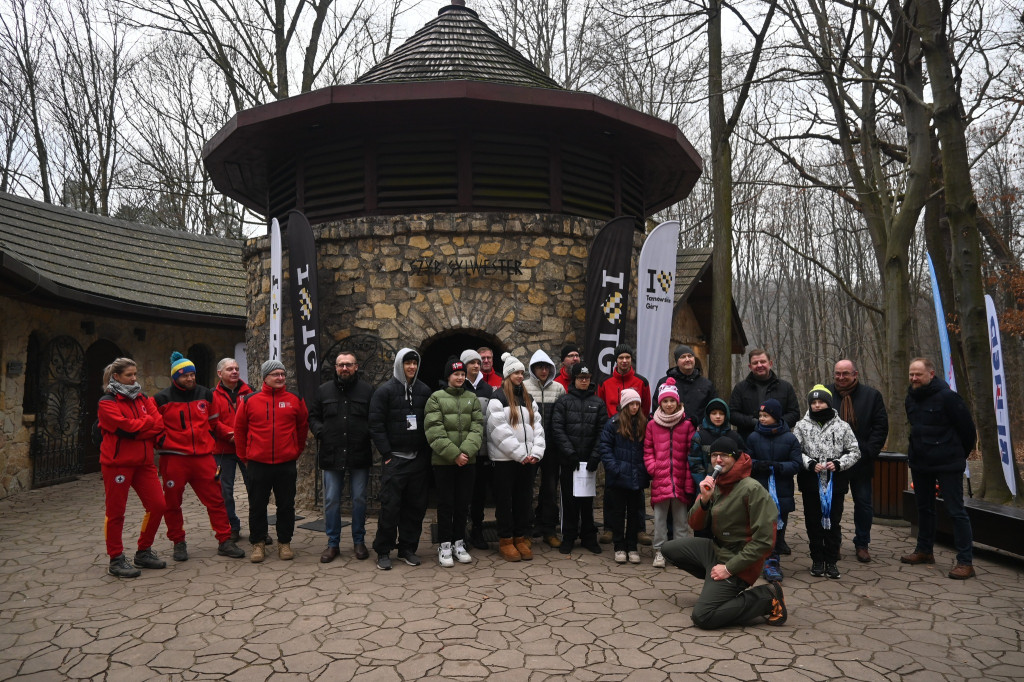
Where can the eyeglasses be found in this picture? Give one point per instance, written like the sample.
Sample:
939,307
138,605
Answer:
278,373
344,364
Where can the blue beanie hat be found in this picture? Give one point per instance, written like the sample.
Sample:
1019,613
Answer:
180,365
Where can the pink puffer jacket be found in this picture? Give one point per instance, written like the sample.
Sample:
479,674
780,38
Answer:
665,456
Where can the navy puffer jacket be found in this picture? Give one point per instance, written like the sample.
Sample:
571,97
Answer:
776,450
623,459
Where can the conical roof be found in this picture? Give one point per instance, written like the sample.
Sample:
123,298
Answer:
457,45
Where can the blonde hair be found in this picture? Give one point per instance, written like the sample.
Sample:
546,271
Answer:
116,367
513,414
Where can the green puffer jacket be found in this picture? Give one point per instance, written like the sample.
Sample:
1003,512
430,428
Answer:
454,424
742,519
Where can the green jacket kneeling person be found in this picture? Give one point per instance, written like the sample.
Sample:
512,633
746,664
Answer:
454,426
741,517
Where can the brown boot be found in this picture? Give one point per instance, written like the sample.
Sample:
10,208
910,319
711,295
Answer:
508,550
918,558
522,546
284,551
259,553
962,572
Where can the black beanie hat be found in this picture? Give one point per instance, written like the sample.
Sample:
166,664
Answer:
725,445
569,348
682,349
772,407
453,365
625,348
821,393
578,369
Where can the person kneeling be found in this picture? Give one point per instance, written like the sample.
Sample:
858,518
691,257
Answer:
741,517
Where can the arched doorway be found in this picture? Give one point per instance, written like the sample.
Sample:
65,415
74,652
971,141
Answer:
202,357
452,342
100,354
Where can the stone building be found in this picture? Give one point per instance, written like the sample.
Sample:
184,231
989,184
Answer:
78,290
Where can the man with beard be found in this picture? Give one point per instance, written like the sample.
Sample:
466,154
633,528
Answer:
339,419
695,389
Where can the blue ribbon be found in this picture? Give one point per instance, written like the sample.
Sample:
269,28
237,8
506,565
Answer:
775,497
825,494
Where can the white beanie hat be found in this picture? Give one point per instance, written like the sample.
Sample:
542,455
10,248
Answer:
511,365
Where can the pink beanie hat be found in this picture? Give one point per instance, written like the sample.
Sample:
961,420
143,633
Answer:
668,390
628,396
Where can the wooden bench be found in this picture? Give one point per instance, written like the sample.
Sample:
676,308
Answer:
994,525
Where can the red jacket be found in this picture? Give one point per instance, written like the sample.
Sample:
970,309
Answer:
564,379
271,426
666,454
129,428
492,378
225,407
612,387
189,419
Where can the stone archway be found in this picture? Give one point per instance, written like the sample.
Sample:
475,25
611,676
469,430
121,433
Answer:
100,354
438,348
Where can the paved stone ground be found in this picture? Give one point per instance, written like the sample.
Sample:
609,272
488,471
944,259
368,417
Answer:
580,617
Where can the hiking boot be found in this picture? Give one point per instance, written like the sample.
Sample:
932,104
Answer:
565,546
832,571
552,541
817,568
620,557
772,573
962,571
147,558
634,557
778,614
523,547
508,550
644,538
863,555
444,555
120,568
259,553
918,558
230,549
659,559
284,551
410,558
361,552
461,555
384,562
605,538
476,538
236,535
180,551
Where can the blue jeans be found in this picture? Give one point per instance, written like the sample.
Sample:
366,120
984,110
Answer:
951,487
863,512
227,464
334,485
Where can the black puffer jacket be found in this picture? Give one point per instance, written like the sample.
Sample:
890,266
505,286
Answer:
391,407
339,417
576,424
695,392
747,396
942,432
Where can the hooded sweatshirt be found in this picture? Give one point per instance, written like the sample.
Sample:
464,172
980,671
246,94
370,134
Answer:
707,433
396,414
544,393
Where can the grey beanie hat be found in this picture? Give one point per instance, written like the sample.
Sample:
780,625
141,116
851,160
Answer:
468,355
681,350
270,366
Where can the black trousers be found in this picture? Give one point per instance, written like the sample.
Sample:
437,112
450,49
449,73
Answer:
279,479
546,520
513,498
824,543
404,488
624,508
577,512
454,485
482,484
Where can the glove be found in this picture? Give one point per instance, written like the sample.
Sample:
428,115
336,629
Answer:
778,468
592,465
759,466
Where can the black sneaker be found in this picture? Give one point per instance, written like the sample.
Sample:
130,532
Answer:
817,568
147,558
832,571
476,538
783,548
180,551
593,546
410,558
384,562
120,568
229,548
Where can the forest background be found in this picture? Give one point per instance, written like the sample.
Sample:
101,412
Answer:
843,139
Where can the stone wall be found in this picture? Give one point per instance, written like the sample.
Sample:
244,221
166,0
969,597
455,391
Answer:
152,354
516,278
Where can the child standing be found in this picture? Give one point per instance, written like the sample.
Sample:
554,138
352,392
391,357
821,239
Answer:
715,425
622,451
775,459
666,449
829,450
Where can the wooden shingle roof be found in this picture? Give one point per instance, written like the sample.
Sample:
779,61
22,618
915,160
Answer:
76,258
457,45
691,264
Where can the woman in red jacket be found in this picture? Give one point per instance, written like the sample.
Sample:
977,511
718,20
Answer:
130,423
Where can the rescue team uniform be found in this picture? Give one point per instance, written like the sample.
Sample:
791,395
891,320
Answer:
225,405
186,457
130,428
271,427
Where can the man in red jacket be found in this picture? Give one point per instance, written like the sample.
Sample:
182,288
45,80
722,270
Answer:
271,428
492,378
570,356
226,396
186,457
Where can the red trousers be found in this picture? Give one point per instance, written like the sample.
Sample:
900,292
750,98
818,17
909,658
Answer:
117,481
199,471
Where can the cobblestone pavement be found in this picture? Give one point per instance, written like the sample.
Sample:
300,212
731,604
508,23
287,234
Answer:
579,617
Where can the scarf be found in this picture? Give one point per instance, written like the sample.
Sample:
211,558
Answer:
822,416
668,420
128,391
773,430
846,412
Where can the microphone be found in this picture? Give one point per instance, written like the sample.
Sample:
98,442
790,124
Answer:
716,472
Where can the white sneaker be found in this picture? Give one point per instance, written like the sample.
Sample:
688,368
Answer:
444,555
659,560
461,555
620,557
634,557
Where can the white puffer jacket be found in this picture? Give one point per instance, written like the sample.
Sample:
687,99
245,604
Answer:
506,443
833,441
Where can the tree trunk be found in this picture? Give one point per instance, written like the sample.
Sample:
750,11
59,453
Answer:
961,210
